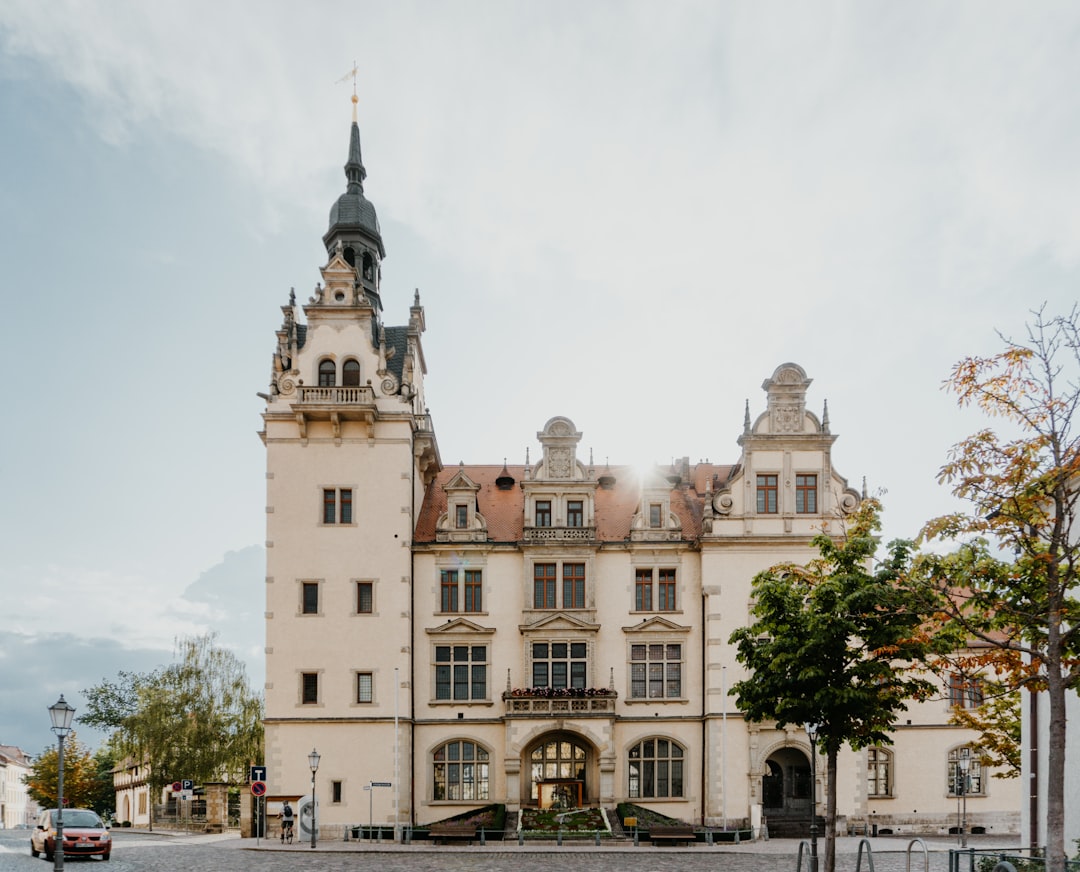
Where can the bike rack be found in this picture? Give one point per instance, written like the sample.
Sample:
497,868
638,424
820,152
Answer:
926,854
865,843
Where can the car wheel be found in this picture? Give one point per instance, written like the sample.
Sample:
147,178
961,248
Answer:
106,855
33,851
48,856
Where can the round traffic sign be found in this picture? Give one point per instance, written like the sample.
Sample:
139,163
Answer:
258,788
177,787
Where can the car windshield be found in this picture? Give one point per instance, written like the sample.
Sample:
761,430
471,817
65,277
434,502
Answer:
80,818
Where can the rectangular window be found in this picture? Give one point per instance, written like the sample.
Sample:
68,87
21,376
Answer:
461,672
878,772
655,516
474,590
643,590
805,494
544,586
656,671
575,513
573,585
543,513
310,598
448,590
666,590
959,782
560,665
365,684
461,520
964,691
309,688
335,791
767,494
337,505
364,597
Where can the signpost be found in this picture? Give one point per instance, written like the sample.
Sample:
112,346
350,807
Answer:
371,818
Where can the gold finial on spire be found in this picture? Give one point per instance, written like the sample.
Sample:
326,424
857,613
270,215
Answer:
352,74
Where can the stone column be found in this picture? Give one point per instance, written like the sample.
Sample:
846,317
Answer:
217,806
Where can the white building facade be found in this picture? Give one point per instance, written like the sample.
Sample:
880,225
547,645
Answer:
517,633
16,807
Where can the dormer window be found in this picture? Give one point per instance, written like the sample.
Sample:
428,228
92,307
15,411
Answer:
350,373
655,515
327,374
461,517
575,513
543,513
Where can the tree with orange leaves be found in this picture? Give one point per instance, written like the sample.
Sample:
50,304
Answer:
1012,584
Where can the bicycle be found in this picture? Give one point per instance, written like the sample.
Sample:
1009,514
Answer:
286,832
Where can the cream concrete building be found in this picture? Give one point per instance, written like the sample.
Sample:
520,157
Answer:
16,807
545,631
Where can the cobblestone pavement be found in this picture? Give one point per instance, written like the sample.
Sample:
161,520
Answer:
161,852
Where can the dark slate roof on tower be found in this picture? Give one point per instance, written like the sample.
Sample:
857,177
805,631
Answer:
397,338
352,209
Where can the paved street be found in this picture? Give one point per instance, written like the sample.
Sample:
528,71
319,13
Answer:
161,852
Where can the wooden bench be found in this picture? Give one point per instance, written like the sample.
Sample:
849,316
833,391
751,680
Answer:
674,835
446,832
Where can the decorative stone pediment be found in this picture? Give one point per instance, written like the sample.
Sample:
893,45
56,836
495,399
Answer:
656,624
559,622
559,439
459,627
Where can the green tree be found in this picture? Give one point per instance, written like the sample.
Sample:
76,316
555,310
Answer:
196,718
1022,488
103,799
830,645
997,721
80,775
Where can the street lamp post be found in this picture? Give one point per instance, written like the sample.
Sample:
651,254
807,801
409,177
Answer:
812,732
313,763
964,762
61,714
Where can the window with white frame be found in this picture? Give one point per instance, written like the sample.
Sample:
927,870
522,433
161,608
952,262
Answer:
960,782
879,772
656,670
461,673
655,769
459,772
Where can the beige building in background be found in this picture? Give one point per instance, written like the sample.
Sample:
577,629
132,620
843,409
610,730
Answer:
542,632
16,807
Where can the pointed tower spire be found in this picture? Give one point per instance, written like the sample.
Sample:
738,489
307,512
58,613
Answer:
825,418
746,420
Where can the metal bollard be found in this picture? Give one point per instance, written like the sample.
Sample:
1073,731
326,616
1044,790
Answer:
736,837
558,840
346,833
521,838
596,834
708,837
635,837
483,839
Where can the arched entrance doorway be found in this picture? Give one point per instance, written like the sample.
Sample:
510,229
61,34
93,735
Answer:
787,788
558,766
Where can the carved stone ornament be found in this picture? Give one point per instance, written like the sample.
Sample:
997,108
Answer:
286,384
723,503
559,462
788,419
389,385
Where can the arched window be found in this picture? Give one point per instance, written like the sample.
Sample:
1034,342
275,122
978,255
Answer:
327,373
655,768
965,771
369,266
559,759
350,256
879,772
460,771
350,373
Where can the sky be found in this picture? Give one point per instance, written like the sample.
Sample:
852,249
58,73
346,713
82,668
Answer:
627,213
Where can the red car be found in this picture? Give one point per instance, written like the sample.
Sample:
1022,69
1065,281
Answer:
85,835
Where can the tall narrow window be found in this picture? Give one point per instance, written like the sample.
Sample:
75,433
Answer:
544,586
365,687
365,599
643,590
666,590
448,586
805,494
335,791
327,372
461,516
958,782
575,513
965,691
461,672
329,504
309,688
309,598
573,596
350,374
767,494
543,513
878,772
656,671
655,517
474,590
345,508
